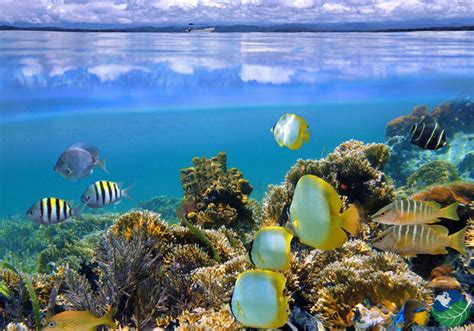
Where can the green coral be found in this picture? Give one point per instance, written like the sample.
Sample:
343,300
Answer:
435,172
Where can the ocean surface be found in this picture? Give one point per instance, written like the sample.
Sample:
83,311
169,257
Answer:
153,101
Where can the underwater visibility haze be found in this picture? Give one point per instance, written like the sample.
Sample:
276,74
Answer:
101,132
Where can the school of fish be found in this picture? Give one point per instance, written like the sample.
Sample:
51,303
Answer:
315,219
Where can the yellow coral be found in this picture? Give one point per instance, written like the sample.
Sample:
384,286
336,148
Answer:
201,319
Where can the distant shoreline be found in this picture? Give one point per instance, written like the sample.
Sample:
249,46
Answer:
236,28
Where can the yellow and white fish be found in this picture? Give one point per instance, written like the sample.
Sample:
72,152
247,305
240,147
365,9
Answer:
78,321
258,300
420,239
270,248
51,211
315,214
405,212
290,131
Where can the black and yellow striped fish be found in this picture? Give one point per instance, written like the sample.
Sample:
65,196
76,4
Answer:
428,134
103,193
51,211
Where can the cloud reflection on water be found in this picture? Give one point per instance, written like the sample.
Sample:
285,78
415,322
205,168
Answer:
173,69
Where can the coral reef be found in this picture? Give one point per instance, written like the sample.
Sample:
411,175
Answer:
353,169
332,283
166,206
41,248
455,116
435,172
216,196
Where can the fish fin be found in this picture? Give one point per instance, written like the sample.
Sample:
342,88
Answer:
350,219
450,212
87,147
103,166
296,145
421,318
108,318
440,229
456,241
306,135
125,193
439,251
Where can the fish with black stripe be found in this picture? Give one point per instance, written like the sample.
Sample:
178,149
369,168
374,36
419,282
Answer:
427,133
103,193
51,211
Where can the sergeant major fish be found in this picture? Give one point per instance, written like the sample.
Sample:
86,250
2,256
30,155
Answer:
78,321
428,134
103,193
78,161
404,212
290,131
258,301
420,239
315,214
51,211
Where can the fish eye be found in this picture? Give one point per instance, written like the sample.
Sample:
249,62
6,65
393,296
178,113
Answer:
87,197
64,159
51,324
382,214
30,212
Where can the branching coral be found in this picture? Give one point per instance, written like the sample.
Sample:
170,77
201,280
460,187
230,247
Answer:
211,319
353,169
334,282
216,196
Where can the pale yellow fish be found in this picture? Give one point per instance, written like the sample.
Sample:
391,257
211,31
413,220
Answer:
405,212
270,248
315,214
77,321
420,239
290,131
258,300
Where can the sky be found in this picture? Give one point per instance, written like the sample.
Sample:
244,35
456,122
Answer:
133,12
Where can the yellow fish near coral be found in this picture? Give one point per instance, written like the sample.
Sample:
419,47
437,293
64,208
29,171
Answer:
420,239
404,212
290,131
77,321
315,214
258,299
270,248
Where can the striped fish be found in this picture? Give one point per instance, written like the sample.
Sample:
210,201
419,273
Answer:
428,134
420,239
404,212
103,193
51,211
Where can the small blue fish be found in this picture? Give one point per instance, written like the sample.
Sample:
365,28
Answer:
78,161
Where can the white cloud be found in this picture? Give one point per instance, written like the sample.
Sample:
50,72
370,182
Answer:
253,11
266,74
110,72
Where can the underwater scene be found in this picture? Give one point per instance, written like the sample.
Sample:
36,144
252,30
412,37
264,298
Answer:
226,181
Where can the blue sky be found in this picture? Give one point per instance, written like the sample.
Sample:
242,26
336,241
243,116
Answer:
227,11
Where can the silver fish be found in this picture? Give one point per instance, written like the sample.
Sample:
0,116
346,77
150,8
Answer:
78,161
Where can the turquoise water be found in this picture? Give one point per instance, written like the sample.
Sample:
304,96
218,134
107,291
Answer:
151,102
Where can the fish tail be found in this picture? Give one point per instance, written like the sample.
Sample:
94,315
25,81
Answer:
76,212
450,212
125,191
456,241
108,319
350,219
103,166
306,135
